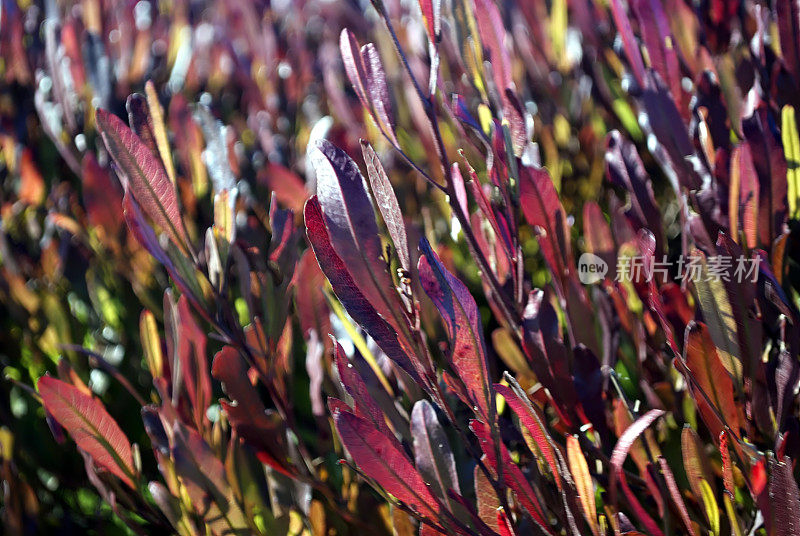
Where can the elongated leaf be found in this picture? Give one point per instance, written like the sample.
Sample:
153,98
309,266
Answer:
378,457
377,88
312,309
784,500
101,197
432,15
365,72
675,493
543,211
364,405
159,129
353,65
512,475
90,426
140,121
658,40
791,149
625,168
462,322
386,200
695,463
203,475
629,41
351,225
770,163
493,37
432,450
145,177
194,361
709,375
718,313
618,458
743,173
486,498
788,17
597,233
260,429
356,303
583,481
531,419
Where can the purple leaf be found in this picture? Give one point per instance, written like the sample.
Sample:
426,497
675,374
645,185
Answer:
432,450
624,168
354,301
377,89
350,222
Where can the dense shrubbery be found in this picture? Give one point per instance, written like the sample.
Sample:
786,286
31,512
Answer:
307,286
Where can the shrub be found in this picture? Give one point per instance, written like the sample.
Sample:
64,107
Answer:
516,346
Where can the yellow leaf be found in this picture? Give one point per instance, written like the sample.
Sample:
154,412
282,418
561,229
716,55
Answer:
583,482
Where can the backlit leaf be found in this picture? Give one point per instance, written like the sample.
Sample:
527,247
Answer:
462,322
90,426
145,177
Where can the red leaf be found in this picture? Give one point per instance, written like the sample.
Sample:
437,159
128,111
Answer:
288,187
493,38
533,422
504,524
758,477
512,475
462,322
261,430
193,361
675,493
618,458
312,309
379,458
543,210
364,405
90,425
145,177
597,233
101,197
432,15
628,41
709,375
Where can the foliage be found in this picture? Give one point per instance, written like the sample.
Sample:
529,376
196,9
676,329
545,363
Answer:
347,294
